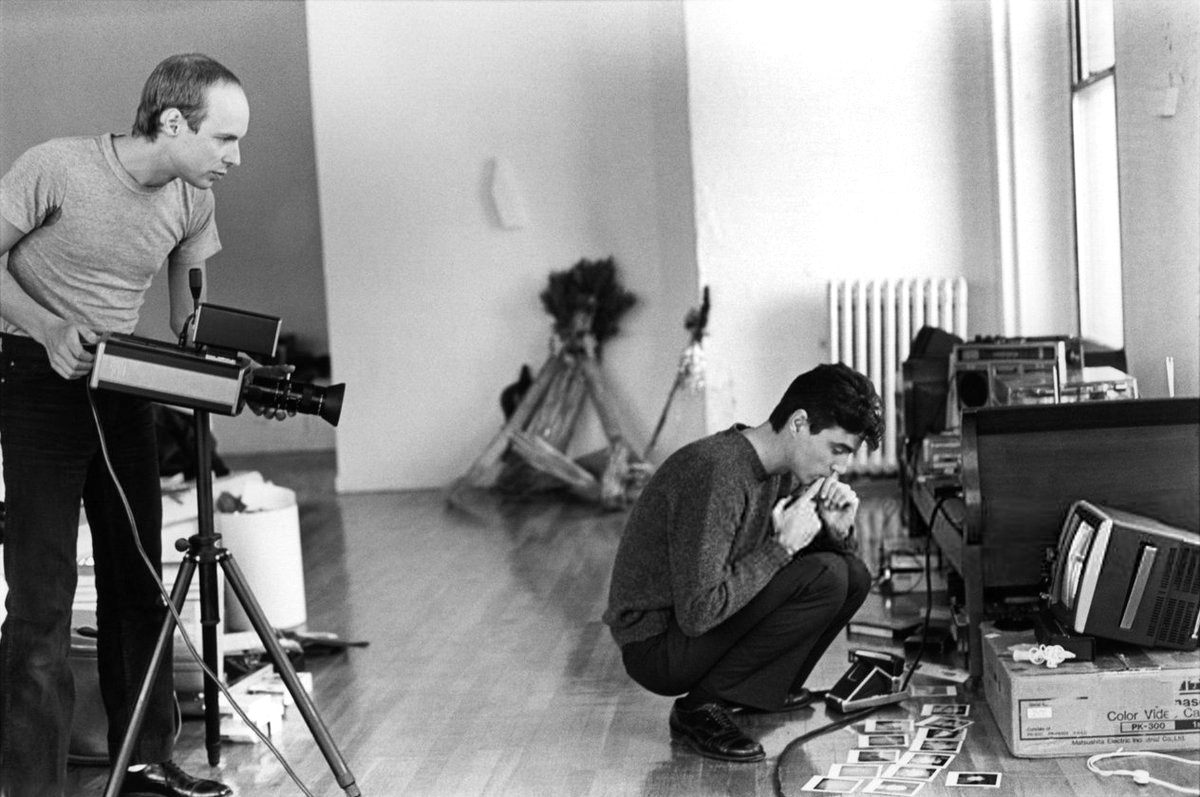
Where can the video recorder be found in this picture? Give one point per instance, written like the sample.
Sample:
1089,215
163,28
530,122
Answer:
206,371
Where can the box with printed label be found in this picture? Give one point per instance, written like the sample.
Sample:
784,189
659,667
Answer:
1130,697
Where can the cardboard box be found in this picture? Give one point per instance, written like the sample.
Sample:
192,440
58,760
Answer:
1139,699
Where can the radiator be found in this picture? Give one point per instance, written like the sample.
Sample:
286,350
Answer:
872,323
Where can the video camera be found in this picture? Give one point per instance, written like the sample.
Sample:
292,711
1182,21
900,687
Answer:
206,371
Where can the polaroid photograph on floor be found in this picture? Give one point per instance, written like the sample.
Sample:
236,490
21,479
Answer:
919,759
862,771
888,726
929,690
923,745
945,723
827,785
942,733
906,772
883,740
979,780
874,756
945,710
901,787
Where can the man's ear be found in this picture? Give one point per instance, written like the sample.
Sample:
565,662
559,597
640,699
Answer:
171,122
798,421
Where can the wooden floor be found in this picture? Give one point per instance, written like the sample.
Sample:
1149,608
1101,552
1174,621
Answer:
489,671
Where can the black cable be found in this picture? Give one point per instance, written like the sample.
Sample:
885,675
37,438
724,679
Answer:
940,506
849,719
928,615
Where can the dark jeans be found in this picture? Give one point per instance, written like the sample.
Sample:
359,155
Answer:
52,461
767,649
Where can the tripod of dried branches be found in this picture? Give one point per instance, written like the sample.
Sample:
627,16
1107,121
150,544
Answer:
527,457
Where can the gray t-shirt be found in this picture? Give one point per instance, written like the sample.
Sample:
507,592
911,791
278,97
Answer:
95,236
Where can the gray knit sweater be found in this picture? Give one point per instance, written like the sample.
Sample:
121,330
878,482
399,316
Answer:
699,542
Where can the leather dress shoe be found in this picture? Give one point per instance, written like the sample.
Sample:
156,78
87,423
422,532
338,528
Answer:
798,700
793,702
710,732
168,780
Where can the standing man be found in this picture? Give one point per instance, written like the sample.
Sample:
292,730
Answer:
736,568
86,224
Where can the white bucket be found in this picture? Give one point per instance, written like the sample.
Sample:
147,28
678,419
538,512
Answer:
265,543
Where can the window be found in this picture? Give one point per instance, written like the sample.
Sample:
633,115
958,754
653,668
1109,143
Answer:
1097,197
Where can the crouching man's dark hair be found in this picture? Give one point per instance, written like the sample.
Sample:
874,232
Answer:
833,395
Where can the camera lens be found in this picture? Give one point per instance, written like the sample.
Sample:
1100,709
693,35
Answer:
297,397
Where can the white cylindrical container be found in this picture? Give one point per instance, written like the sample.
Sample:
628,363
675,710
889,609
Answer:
265,543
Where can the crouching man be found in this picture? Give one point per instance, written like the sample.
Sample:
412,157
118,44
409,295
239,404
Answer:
737,565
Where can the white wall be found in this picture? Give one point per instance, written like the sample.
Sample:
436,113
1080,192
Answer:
1158,45
433,307
853,139
833,140
1043,183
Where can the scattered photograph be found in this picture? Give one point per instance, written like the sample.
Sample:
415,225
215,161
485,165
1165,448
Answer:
905,772
828,785
945,710
865,771
941,733
945,723
878,756
888,726
983,780
928,690
883,740
919,759
924,745
882,786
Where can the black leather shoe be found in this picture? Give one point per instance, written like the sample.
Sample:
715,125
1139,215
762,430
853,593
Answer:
710,732
798,700
168,780
793,702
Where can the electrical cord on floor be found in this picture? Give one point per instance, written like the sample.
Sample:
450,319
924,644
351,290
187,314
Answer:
849,719
916,662
166,594
1141,776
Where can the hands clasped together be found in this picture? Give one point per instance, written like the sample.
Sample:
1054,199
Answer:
826,503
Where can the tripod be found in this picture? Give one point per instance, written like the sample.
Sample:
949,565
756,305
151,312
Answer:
203,550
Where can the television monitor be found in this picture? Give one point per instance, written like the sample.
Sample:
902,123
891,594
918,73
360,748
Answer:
1127,578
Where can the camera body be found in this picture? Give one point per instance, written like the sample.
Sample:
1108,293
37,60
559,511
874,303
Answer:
169,374
205,370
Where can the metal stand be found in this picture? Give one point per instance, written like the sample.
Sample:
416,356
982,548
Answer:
204,550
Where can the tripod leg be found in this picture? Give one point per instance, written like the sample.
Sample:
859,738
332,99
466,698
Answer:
210,617
304,703
178,595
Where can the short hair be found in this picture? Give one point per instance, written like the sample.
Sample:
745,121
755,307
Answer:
180,81
833,395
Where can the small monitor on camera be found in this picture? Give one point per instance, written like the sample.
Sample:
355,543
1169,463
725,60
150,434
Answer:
232,331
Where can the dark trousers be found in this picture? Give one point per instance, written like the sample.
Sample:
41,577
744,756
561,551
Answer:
52,462
768,648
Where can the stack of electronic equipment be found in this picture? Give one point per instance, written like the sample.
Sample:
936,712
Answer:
941,455
998,372
944,376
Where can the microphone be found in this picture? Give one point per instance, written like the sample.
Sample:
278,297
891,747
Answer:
196,284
